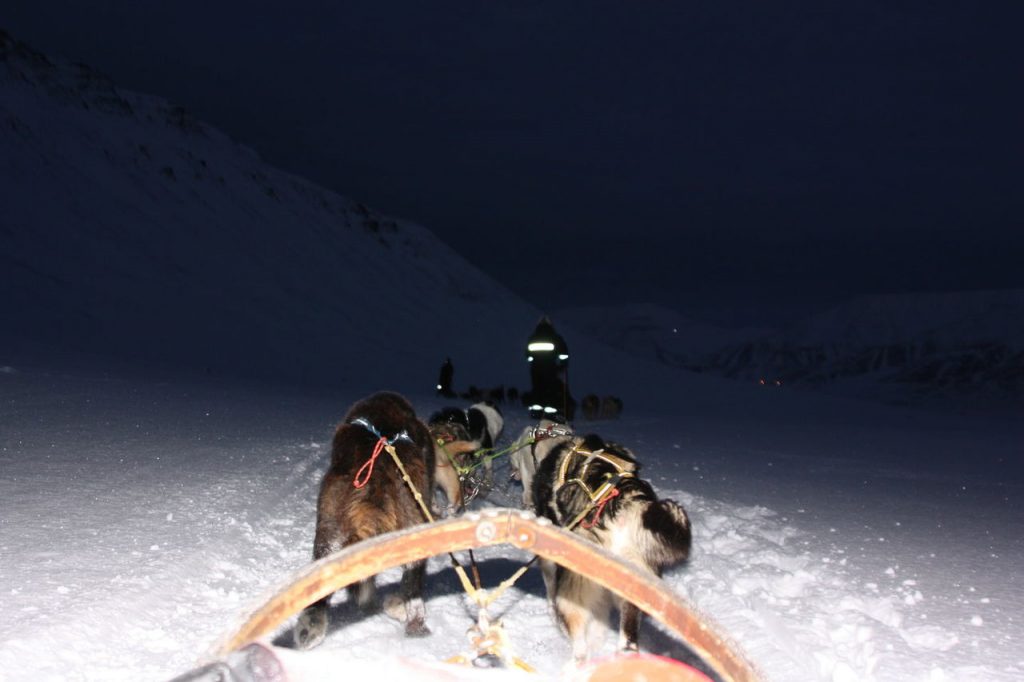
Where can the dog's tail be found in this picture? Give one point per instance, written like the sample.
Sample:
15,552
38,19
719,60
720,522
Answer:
670,527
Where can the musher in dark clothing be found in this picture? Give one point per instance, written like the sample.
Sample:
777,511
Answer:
548,355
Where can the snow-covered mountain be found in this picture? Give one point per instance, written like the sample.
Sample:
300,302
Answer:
131,229
969,344
898,347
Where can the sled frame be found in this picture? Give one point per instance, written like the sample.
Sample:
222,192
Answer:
475,530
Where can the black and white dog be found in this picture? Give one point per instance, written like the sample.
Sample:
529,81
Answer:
482,421
593,488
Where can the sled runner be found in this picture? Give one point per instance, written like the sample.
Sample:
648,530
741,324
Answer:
240,656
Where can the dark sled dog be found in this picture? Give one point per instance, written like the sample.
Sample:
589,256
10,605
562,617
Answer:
591,406
361,497
611,407
595,485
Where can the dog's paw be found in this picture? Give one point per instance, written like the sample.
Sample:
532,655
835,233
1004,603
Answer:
394,607
417,627
629,648
412,613
311,628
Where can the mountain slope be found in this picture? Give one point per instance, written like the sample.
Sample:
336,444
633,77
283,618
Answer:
131,229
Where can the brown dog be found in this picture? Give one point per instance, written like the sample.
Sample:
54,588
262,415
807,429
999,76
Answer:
362,495
451,449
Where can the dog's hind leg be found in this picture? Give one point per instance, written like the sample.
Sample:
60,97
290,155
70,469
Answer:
447,479
311,627
364,594
408,606
412,595
329,536
549,571
629,627
582,609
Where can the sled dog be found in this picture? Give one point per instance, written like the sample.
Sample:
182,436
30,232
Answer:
363,495
593,487
452,448
483,422
536,442
611,407
591,406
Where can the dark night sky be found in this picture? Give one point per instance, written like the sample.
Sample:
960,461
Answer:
742,161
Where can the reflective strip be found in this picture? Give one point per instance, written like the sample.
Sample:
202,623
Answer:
550,410
536,407
563,356
541,345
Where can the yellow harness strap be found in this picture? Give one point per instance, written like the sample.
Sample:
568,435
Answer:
623,469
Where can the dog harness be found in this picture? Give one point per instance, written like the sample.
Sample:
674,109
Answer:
608,488
365,423
550,431
623,467
382,442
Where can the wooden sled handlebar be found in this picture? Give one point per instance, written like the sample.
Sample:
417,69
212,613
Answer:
482,529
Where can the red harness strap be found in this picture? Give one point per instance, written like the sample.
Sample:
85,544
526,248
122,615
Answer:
600,508
368,467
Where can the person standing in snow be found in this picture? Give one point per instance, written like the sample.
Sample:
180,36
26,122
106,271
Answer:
444,381
548,356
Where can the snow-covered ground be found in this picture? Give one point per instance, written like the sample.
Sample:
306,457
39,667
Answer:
142,514
143,508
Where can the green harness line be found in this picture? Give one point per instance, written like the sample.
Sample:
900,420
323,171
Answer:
485,455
